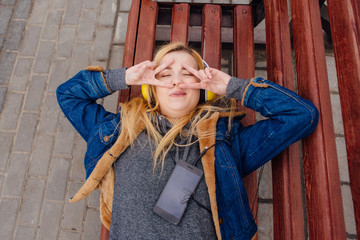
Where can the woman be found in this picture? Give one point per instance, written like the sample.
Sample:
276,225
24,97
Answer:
131,155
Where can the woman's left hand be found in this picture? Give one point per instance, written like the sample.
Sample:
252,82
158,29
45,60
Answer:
211,79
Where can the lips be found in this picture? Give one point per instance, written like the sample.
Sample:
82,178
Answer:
178,94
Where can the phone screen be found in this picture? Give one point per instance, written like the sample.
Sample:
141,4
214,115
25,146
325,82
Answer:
181,185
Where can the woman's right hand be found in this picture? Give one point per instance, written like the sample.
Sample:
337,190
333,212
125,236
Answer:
144,74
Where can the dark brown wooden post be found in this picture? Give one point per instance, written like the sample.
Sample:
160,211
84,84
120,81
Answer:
145,41
345,29
287,198
180,23
211,35
322,183
129,48
244,67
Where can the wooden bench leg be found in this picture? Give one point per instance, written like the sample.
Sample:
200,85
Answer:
104,234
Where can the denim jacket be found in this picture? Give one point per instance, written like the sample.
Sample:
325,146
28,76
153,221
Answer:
236,153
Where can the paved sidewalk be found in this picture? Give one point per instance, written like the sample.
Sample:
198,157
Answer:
43,43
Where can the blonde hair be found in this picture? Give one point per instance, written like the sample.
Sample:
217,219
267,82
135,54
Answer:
147,111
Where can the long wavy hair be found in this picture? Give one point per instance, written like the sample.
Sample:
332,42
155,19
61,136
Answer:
147,111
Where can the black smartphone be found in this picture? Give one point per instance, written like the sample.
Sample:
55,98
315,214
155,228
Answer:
174,197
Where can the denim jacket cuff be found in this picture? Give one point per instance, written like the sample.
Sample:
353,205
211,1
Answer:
257,82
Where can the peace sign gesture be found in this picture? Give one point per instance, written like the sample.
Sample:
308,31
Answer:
211,79
144,74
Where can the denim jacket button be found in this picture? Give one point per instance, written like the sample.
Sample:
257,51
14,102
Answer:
220,220
106,138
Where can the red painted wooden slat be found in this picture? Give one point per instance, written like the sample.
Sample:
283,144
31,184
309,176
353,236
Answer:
180,23
345,29
211,35
244,67
287,197
322,183
145,41
129,48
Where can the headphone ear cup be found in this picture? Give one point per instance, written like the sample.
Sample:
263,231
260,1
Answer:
144,92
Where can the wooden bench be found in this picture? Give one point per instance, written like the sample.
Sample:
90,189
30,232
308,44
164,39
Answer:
325,217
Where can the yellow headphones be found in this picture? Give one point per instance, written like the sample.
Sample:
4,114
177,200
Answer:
204,94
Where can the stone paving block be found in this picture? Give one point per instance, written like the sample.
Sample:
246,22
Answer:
117,53
25,135
1,180
92,4
66,41
50,221
25,232
342,158
32,201
77,167
5,147
22,9
92,224
14,35
52,24
2,96
6,66
43,59
41,155
125,5
94,199
35,93
15,178
11,111
5,13
221,1
49,115
58,4
30,42
87,26
102,43
65,138
241,2
336,114
73,212
350,225
38,12
121,28
72,12
107,13
110,102
81,58
265,221
67,235
8,211
20,78
8,2
265,188
261,73
260,64
331,70
58,74
58,179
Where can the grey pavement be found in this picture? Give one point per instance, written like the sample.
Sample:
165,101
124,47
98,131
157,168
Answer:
42,44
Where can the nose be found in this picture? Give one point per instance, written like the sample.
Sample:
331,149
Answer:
177,79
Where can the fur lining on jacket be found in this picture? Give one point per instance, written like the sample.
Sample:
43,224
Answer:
103,176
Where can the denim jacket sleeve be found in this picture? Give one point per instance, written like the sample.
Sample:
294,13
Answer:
77,97
289,119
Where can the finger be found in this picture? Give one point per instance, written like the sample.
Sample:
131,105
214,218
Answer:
190,85
202,75
191,70
163,66
207,72
139,65
161,83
